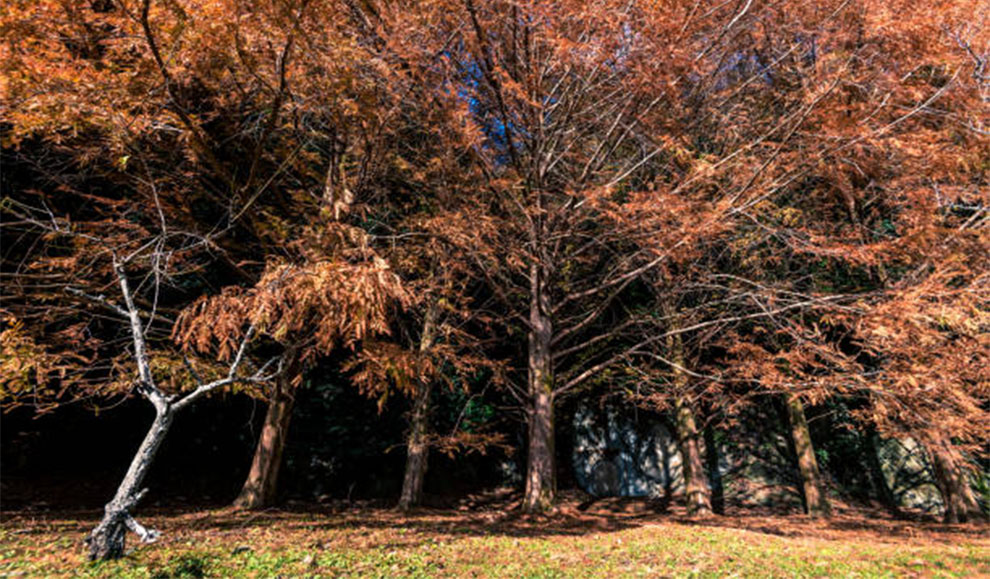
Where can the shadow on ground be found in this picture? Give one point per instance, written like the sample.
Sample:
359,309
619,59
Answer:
497,514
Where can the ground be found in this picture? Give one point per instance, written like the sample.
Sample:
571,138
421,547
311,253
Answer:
605,538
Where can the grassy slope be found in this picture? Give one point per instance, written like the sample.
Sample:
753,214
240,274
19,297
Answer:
574,543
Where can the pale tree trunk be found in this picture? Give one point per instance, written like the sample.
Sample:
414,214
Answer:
417,447
953,483
261,485
815,503
106,541
541,484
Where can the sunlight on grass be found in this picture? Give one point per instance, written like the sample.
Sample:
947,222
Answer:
431,546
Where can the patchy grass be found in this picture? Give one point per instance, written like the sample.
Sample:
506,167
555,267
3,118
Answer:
573,543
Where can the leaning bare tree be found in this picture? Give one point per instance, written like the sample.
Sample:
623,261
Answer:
83,262
106,541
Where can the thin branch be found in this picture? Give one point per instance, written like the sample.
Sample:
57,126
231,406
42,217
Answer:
100,299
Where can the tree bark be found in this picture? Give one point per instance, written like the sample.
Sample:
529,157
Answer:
541,484
697,495
815,503
106,541
417,452
260,488
953,483
417,448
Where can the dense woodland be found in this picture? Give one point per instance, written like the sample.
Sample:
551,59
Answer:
441,224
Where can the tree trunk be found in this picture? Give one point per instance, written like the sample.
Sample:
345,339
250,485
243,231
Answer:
261,485
696,492
541,484
106,541
417,452
697,495
417,448
953,483
815,503
711,456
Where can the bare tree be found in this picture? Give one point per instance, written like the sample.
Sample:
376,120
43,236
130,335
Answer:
106,541
109,254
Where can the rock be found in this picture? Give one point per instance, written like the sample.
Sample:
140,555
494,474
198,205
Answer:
908,475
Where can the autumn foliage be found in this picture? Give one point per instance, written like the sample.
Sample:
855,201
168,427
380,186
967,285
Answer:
689,205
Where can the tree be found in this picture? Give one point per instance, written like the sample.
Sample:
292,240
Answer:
438,356
333,295
111,248
106,541
661,379
417,445
436,340
554,120
812,490
246,130
260,487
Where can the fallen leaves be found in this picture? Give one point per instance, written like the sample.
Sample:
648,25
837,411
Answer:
494,542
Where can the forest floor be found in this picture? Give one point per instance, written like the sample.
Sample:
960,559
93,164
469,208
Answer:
602,539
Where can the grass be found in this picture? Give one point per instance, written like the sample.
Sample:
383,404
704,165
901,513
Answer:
573,543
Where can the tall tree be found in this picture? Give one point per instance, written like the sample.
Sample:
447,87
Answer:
558,102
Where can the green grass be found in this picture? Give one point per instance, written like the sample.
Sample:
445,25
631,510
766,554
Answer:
382,544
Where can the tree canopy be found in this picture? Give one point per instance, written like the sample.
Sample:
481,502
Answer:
693,205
